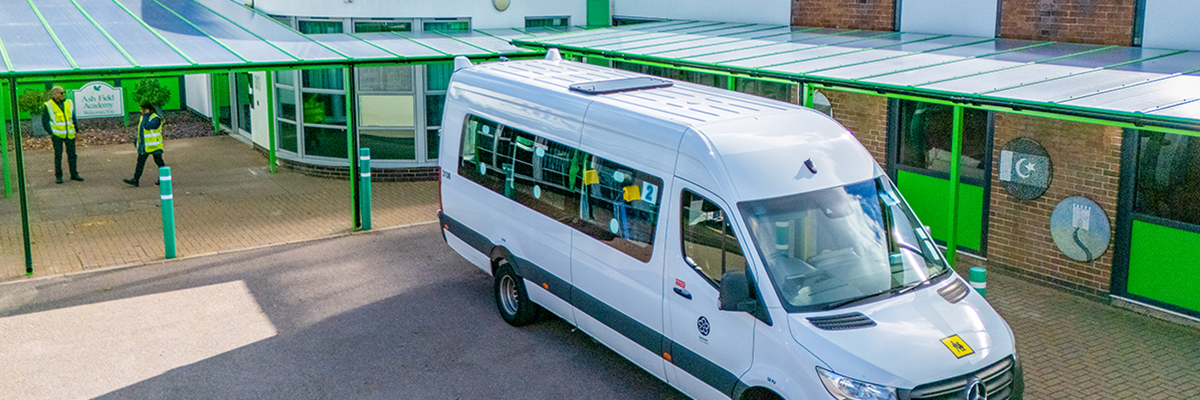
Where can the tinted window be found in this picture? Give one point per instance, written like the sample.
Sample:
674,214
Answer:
608,201
1168,177
925,138
709,245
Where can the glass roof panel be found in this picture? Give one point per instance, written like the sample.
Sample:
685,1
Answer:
702,26
84,42
1034,73
755,52
30,47
771,31
1182,62
399,45
735,29
670,40
952,70
1189,110
617,41
806,54
1075,86
918,60
1041,53
146,49
887,39
1145,97
445,44
593,37
270,30
351,46
491,43
847,37
191,41
246,45
875,54
676,45
801,33
690,51
507,33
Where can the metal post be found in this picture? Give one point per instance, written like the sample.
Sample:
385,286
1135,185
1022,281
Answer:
168,210
16,119
272,123
808,94
351,146
731,83
4,155
955,172
364,194
215,114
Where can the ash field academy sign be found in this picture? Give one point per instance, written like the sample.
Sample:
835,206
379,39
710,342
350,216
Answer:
99,100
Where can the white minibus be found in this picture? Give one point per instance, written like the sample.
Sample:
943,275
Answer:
730,245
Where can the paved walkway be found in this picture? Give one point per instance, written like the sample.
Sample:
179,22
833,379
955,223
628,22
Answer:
224,200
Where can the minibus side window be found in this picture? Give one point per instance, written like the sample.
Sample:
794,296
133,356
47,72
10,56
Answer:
477,161
709,244
618,205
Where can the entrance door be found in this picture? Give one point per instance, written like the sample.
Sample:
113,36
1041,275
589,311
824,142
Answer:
710,348
244,95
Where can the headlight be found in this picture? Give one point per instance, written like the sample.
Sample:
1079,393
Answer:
843,388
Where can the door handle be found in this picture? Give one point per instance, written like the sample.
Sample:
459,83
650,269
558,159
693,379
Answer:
683,293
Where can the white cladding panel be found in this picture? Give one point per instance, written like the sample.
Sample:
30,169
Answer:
1172,24
777,12
483,14
260,123
950,17
198,93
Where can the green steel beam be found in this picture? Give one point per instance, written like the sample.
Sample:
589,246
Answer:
106,35
422,44
1018,65
956,138
372,44
4,151
731,83
853,51
463,42
272,147
16,118
7,61
809,92
1089,71
49,30
156,34
212,90
803,49
352,147
268,42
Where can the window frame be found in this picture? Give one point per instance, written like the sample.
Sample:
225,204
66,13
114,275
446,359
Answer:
727,229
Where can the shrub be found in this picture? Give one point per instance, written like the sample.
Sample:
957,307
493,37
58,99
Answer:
150,91
31,101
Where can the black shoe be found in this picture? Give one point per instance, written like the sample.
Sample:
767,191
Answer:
58,180
156,182
131,182
76,178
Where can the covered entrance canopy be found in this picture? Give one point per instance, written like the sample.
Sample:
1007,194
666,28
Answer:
1156,89
49,40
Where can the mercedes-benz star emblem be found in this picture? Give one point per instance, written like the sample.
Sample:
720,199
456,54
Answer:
976,389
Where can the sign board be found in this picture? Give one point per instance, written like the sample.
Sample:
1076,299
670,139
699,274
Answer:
99,100
1080,228
1025,169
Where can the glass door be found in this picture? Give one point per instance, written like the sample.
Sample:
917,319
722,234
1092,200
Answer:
243,94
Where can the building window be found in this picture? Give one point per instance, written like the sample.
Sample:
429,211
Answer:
437,79
925,138
623,20
309,26
446,25
371,26
548,22
1168,177
387,121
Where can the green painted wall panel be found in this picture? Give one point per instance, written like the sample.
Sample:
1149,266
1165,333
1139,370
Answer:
1164,266
597,13
928,197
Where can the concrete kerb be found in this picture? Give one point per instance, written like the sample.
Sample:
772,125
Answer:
209,254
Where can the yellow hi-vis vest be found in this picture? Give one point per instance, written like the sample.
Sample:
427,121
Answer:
61,124
151,138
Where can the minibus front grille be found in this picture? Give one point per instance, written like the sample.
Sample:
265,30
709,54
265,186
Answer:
954,292
842,322
997,378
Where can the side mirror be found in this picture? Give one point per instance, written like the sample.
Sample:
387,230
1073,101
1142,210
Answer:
735,293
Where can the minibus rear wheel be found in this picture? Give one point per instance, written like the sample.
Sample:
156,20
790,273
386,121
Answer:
511,299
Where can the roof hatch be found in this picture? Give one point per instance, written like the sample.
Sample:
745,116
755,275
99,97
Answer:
620,85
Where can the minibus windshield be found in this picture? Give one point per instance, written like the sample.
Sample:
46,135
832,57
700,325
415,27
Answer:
841,245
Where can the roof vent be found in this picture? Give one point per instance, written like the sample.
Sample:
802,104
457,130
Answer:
553,55
954,292
842,322
461,62
620,85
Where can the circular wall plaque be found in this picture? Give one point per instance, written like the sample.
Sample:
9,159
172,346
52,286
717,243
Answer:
1080,228
1025,168
500,5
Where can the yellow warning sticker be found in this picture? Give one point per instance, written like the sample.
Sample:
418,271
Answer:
958,346
591,177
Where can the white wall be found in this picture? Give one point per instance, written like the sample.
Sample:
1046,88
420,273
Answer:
951,17
483,14
1172,24
198,96
259,123
776,12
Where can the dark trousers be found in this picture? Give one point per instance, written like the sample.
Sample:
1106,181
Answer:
137,173
58,150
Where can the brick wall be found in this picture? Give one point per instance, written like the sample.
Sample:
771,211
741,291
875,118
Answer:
1107,22
865,116
1086,160
339,172
878,15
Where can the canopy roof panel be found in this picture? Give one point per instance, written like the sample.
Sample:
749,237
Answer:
1156,87
46,38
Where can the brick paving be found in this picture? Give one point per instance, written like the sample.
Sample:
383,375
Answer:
225,199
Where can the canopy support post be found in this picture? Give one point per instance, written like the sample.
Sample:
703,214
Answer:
807,91
16,118
955,177
4,153
352,147
272,123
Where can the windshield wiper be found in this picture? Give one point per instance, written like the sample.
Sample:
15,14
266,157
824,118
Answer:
843,303
896,291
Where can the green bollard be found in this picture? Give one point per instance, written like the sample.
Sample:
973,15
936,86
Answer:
168,211
979,280
364,195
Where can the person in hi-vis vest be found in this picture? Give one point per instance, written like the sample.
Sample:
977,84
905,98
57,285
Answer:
149,142
60,122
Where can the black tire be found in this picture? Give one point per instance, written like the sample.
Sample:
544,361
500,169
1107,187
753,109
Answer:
511,299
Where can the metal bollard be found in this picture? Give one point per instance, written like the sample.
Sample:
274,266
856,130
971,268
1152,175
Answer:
168,210
979,280
364,195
